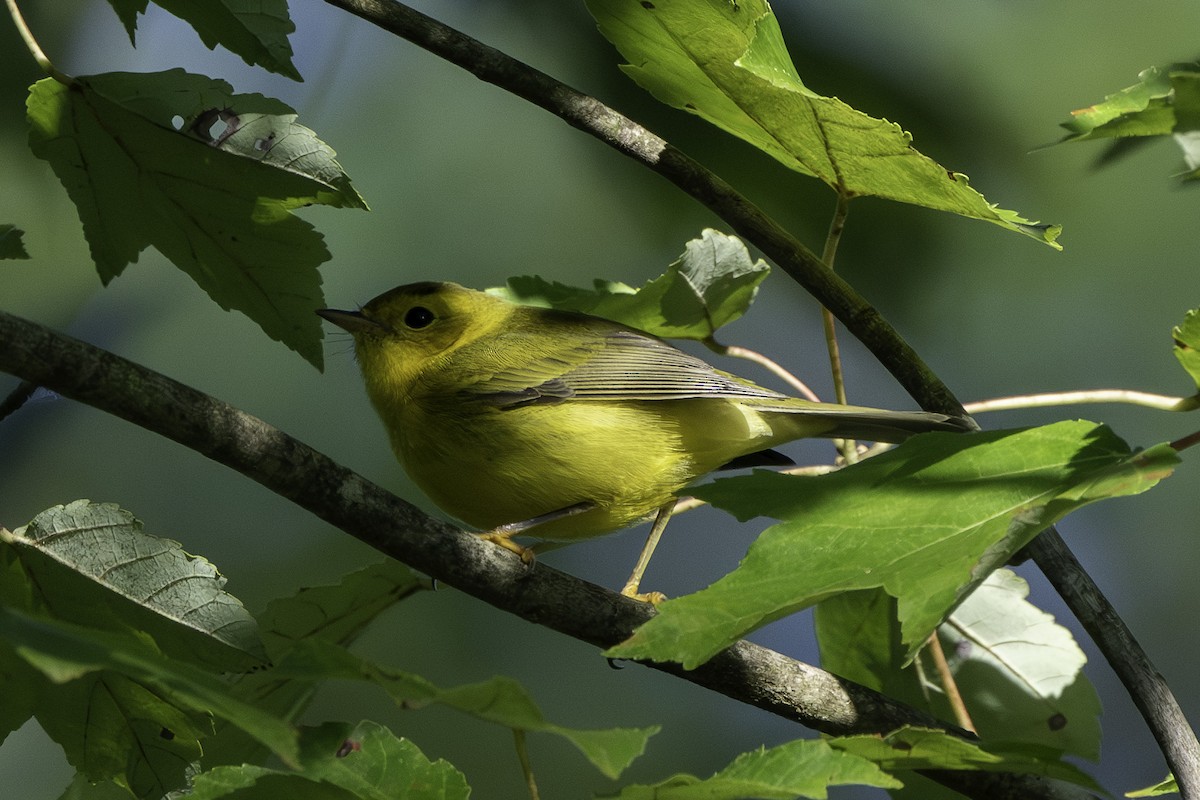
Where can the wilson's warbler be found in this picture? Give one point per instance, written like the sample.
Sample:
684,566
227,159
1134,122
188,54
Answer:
511,417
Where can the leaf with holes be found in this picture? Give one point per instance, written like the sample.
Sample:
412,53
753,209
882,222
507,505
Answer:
209,178
1020,672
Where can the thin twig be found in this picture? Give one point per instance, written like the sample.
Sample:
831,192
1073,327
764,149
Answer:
837,226
1156,401
34,48
949,685
746,672
1183,443
1150,693
737,351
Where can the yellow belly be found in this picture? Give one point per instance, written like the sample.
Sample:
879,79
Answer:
488,467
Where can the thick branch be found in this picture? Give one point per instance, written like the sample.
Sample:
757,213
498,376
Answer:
745,672
588,114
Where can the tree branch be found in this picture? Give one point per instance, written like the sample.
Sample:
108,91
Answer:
1150,692
745,672
1182,751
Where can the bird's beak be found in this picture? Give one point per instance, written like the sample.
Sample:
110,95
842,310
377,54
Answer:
352,321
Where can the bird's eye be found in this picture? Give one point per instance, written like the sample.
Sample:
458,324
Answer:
418,317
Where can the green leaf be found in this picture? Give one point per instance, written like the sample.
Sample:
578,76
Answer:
20,686
1020,672
500,700
804,768
115,728
256,30
80,788
1143,109
886,523
1166,786
1164,102
1187,344
727,63
340,612
337,614
710,285
338,762
911,748
108,572
859,637
11,245
122,682
207,177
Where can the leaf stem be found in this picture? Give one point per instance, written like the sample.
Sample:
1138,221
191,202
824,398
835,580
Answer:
1184,443
837,226
1145,684
35,49
1129,396
949,685
526,766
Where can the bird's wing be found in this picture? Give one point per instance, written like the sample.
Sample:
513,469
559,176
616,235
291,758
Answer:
617,364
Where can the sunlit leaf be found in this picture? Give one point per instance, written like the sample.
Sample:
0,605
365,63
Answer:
1166,786
710,285
804,768
912,748
1164,102
1020,672
727,63
1187,344
888,522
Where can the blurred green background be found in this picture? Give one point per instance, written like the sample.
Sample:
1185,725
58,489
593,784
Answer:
470,184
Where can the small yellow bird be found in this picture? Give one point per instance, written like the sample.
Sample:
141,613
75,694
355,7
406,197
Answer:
512,417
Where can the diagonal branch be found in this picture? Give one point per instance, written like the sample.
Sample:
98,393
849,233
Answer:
745,672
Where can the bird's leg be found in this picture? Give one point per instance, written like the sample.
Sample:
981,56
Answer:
635,579
502,534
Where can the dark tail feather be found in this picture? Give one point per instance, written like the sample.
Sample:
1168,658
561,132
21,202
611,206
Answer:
892,426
